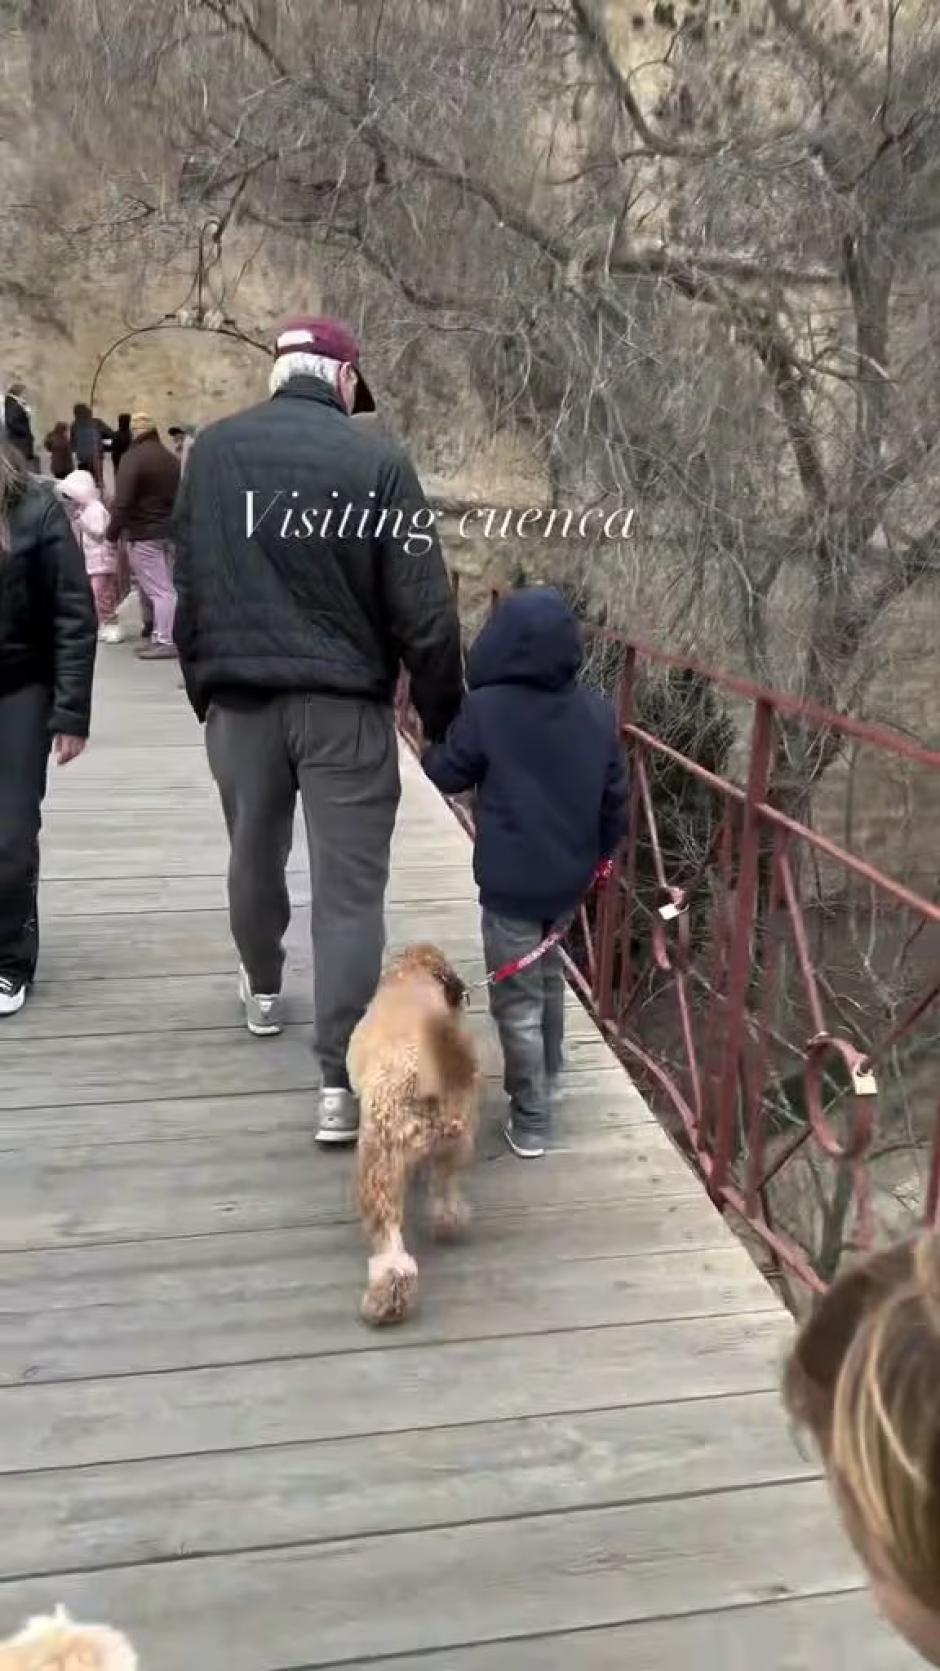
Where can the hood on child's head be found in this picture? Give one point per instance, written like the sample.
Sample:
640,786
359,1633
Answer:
532,638
80,485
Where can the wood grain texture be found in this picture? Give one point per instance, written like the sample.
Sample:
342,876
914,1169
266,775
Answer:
114,1192
573,1455
839,1632
383,1390
294,1305
213,1061
310,1493
589,1112
170,943
353,1599
146,1003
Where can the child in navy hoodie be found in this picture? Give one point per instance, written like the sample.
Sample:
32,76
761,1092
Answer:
545,757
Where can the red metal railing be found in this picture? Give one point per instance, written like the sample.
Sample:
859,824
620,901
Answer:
770,990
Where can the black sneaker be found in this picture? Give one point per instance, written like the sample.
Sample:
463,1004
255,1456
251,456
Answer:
523,1141
12,995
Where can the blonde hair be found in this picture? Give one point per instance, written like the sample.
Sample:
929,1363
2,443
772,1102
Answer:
864,1378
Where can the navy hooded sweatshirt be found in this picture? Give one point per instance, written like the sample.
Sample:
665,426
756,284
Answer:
544,755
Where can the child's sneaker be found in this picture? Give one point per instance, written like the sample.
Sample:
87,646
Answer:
113,633
523,1140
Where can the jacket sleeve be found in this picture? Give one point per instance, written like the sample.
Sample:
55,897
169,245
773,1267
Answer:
419,599
124,489
75,624
184,624
613,822
459,762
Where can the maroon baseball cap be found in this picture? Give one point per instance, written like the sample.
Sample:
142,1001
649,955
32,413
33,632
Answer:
308,335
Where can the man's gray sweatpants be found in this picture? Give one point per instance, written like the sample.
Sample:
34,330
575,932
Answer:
342,755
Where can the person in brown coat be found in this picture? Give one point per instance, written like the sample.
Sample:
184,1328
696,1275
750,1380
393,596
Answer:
58,445
144,495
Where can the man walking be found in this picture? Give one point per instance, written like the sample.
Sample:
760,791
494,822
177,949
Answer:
144,494
307,570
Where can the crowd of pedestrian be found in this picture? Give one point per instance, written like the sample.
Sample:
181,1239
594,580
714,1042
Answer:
120,515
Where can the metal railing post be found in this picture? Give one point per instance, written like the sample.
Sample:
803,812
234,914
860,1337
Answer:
611,901
739,963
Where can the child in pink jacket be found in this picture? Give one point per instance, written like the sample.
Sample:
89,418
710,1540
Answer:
89,518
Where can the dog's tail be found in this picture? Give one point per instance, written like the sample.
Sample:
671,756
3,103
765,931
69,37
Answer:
448,1060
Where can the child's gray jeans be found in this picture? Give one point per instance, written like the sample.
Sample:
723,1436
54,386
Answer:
529,1011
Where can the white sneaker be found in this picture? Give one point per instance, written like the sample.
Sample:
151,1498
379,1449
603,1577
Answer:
262,1009
339,1116
112,634
12,995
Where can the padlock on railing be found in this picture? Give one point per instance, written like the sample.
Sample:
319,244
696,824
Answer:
864,1083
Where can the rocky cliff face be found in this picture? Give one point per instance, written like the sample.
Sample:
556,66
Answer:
82,286
76,277
68,295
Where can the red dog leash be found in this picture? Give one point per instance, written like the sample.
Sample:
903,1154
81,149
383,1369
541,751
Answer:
601,877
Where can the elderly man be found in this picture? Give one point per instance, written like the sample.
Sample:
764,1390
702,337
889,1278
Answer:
307,571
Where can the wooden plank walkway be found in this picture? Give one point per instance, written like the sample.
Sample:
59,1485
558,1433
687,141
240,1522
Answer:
574,1456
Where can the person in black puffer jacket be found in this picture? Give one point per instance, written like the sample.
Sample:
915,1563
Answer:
85,437
545,757
48,636
307,570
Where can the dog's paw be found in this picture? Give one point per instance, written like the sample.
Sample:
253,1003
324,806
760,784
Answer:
392,1291
449,1220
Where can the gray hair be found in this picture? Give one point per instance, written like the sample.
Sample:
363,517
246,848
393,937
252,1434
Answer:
287,366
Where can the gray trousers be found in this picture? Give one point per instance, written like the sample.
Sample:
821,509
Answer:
529,1011
342,756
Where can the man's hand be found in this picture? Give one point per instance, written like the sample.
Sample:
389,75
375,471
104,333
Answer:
68,748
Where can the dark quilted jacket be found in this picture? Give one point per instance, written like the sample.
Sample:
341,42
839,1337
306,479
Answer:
544,756
264,604
48,626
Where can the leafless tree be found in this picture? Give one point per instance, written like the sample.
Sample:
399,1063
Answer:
720,302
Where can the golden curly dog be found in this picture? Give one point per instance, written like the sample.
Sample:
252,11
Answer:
416,1074
57,1643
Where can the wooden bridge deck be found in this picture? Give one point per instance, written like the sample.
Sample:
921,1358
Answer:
573,1457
